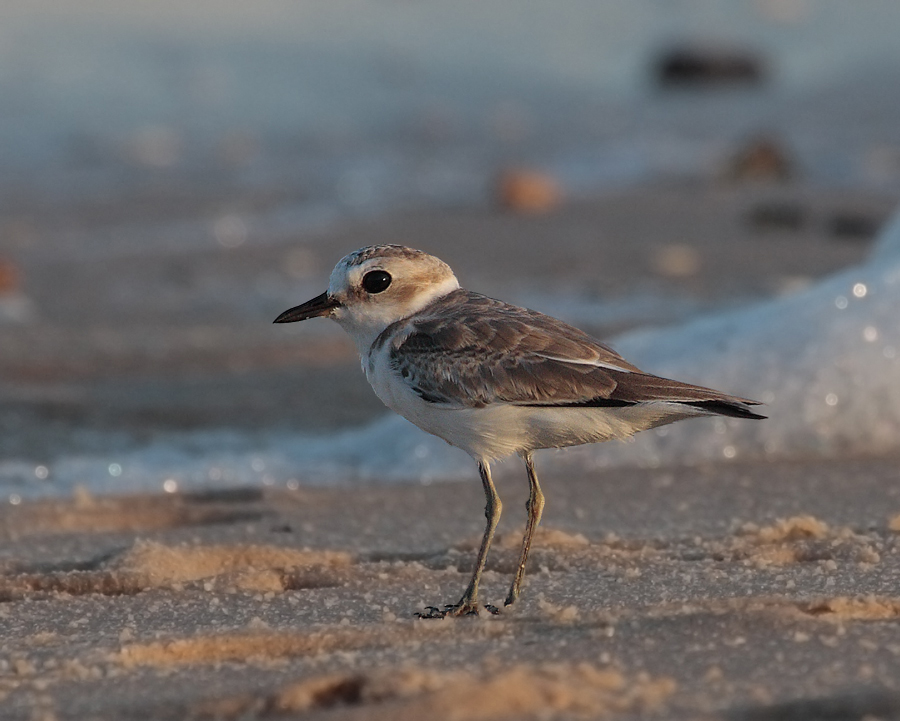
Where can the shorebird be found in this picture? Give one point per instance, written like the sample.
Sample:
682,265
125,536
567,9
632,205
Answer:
492,378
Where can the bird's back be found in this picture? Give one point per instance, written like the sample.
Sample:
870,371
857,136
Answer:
512,379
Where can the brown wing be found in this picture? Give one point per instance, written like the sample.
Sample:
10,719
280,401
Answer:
467,350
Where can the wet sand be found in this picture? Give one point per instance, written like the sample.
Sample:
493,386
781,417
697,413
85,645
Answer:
138,343
734,591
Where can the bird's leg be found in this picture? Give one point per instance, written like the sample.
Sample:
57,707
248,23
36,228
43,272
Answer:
535,507
469,602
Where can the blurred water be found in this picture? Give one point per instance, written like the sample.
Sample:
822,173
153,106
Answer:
826,361
367,104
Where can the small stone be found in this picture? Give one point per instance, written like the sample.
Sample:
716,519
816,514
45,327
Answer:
10,277
851,225
527,191
676,260
698,66
776,216
761,159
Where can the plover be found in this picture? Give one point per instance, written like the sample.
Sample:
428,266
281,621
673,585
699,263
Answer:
492,378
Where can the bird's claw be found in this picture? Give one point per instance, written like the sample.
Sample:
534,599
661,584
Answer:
455,609
430,612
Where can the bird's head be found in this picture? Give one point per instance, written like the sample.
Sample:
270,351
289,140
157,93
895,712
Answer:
375,286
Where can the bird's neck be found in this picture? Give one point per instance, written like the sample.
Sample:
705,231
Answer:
365,327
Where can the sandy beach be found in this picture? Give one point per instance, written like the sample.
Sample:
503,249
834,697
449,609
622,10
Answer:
734,591
204,515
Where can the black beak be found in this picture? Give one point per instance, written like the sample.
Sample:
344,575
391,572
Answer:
320,305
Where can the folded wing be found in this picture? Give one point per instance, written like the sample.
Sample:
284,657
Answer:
467,350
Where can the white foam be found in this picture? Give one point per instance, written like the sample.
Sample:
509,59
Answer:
825,360
388,450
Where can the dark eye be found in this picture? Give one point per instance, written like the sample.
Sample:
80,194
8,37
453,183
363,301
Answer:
376,281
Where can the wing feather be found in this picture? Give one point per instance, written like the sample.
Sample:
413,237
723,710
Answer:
468,350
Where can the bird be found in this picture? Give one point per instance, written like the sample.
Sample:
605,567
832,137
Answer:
491,378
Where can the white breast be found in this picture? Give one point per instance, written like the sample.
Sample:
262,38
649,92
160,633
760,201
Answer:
397,395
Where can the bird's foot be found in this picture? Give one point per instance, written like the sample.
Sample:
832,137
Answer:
430,612
456,609
463,608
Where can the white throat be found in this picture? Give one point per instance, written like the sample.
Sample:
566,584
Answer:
365,322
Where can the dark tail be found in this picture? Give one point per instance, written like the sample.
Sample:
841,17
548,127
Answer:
732,409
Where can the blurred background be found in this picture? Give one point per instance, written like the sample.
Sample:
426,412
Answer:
173,176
